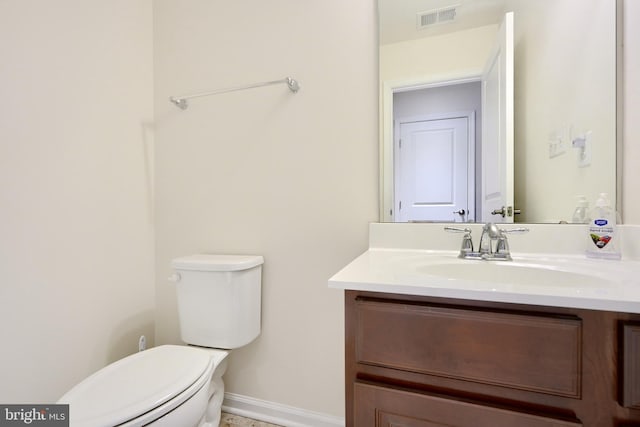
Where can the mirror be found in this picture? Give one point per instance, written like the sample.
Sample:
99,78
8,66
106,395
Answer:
564,105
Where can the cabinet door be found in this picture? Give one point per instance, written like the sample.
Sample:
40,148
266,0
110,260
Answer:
631,365
385,407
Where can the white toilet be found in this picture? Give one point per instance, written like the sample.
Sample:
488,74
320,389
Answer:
219,299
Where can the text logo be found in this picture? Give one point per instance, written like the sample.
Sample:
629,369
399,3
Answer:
34,415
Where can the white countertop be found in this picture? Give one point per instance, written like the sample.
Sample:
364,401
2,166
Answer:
559,280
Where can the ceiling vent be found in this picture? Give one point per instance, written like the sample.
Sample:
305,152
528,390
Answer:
437,16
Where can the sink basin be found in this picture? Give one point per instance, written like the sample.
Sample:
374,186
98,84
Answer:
527,273
511,273
406,259
538,279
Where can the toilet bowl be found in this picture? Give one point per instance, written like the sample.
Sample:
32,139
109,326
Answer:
180,385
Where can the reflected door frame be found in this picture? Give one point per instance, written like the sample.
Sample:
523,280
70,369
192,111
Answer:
387,186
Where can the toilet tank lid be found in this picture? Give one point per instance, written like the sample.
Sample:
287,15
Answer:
210,262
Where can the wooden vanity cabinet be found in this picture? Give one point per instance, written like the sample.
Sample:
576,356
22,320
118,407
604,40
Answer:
424,362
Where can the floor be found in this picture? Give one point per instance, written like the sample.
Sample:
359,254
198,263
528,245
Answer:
230,420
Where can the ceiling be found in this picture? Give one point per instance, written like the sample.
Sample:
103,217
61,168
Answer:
399,18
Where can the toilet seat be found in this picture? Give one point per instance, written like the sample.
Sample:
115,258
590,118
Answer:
142,387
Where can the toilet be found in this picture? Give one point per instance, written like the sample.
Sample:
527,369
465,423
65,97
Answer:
219,300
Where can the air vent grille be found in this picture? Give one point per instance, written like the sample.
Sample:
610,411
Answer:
436,16
428,19
448,14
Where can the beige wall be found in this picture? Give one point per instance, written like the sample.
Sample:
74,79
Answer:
437,57
76,242
288,176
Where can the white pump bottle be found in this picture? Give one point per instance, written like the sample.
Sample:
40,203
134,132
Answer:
602,237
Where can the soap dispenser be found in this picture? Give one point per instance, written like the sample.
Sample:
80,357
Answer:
602,239
581,213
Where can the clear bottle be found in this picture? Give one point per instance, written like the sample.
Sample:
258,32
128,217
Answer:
602,238
581,213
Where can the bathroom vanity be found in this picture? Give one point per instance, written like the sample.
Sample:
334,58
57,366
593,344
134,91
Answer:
543,340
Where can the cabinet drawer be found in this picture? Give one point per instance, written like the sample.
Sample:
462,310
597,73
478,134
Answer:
521,351
380,406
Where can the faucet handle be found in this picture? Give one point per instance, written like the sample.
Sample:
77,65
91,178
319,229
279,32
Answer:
520,230
502,246
457,230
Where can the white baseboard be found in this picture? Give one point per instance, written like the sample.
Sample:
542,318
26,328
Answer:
276,413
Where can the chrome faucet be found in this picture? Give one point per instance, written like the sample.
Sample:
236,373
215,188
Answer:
493,242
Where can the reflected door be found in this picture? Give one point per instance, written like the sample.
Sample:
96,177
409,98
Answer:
497,129
432,178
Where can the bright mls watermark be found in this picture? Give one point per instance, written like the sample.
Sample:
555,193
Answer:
34,415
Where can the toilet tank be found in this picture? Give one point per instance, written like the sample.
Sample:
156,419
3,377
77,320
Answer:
219,299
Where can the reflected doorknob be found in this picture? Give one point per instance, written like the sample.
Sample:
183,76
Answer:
500,211
508,211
